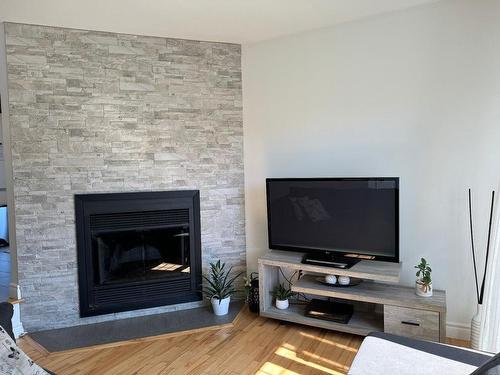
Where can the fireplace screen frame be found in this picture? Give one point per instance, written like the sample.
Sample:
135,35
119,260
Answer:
133,295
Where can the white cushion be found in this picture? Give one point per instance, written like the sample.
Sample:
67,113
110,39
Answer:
382,357
13,361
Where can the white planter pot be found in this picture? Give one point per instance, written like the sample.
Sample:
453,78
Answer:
422,290
282,304
220,306
475,331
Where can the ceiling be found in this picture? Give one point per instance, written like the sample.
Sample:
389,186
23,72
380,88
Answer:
237,21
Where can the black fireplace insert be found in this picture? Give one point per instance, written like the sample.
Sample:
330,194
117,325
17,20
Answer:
137,250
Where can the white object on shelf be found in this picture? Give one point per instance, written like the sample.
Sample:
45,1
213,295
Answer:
330,279
344,280
282,304
422,289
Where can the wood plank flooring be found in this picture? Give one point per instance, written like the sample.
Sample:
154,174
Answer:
253,345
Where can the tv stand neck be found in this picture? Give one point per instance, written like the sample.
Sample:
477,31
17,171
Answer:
329,260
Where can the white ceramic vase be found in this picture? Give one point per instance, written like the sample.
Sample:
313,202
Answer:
220,306
475,329
423,290
282,304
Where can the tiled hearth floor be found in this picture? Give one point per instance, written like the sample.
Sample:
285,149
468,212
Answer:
4,273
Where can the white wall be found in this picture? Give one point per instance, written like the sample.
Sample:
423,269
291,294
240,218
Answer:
414,94
15,291
3,182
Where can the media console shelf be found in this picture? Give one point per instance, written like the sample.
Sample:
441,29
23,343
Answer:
380,304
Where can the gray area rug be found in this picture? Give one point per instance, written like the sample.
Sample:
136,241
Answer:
56,340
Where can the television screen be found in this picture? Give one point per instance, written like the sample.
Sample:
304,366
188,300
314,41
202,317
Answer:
344,215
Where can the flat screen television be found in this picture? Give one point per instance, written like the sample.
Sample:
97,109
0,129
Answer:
335,218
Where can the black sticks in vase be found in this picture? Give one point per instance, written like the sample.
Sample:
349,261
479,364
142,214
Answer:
480,291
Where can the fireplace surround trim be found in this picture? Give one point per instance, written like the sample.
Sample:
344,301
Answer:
87,205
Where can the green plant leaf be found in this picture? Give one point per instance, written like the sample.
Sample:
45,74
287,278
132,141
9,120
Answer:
282,293
220,283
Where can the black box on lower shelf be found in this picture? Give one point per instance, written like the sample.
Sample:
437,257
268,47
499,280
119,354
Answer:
332,311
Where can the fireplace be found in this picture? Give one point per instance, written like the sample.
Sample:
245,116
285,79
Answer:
137,250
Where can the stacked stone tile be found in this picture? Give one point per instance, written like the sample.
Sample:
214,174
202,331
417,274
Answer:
104,112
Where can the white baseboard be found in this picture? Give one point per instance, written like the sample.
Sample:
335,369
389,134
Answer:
14,291
17,325
458,330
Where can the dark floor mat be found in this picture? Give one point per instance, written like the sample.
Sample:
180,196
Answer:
56,340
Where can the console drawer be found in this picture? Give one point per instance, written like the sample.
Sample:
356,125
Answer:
409,322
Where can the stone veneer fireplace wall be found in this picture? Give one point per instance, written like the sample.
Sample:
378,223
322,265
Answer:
94,112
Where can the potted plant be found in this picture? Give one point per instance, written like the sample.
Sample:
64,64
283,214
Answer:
252,291
423,284
220,287
281,293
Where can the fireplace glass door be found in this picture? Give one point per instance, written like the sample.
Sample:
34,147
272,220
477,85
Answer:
138,255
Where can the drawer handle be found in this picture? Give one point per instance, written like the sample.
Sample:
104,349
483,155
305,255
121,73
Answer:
410,323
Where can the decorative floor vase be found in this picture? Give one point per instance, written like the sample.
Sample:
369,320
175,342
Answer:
253,297
475,331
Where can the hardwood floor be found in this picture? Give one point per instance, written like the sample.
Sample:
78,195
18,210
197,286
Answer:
458,342
253,345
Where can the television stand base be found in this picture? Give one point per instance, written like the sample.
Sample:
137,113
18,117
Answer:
329,260
377,306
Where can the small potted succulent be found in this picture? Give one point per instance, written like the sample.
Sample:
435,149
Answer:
220,287
423,284
282,294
